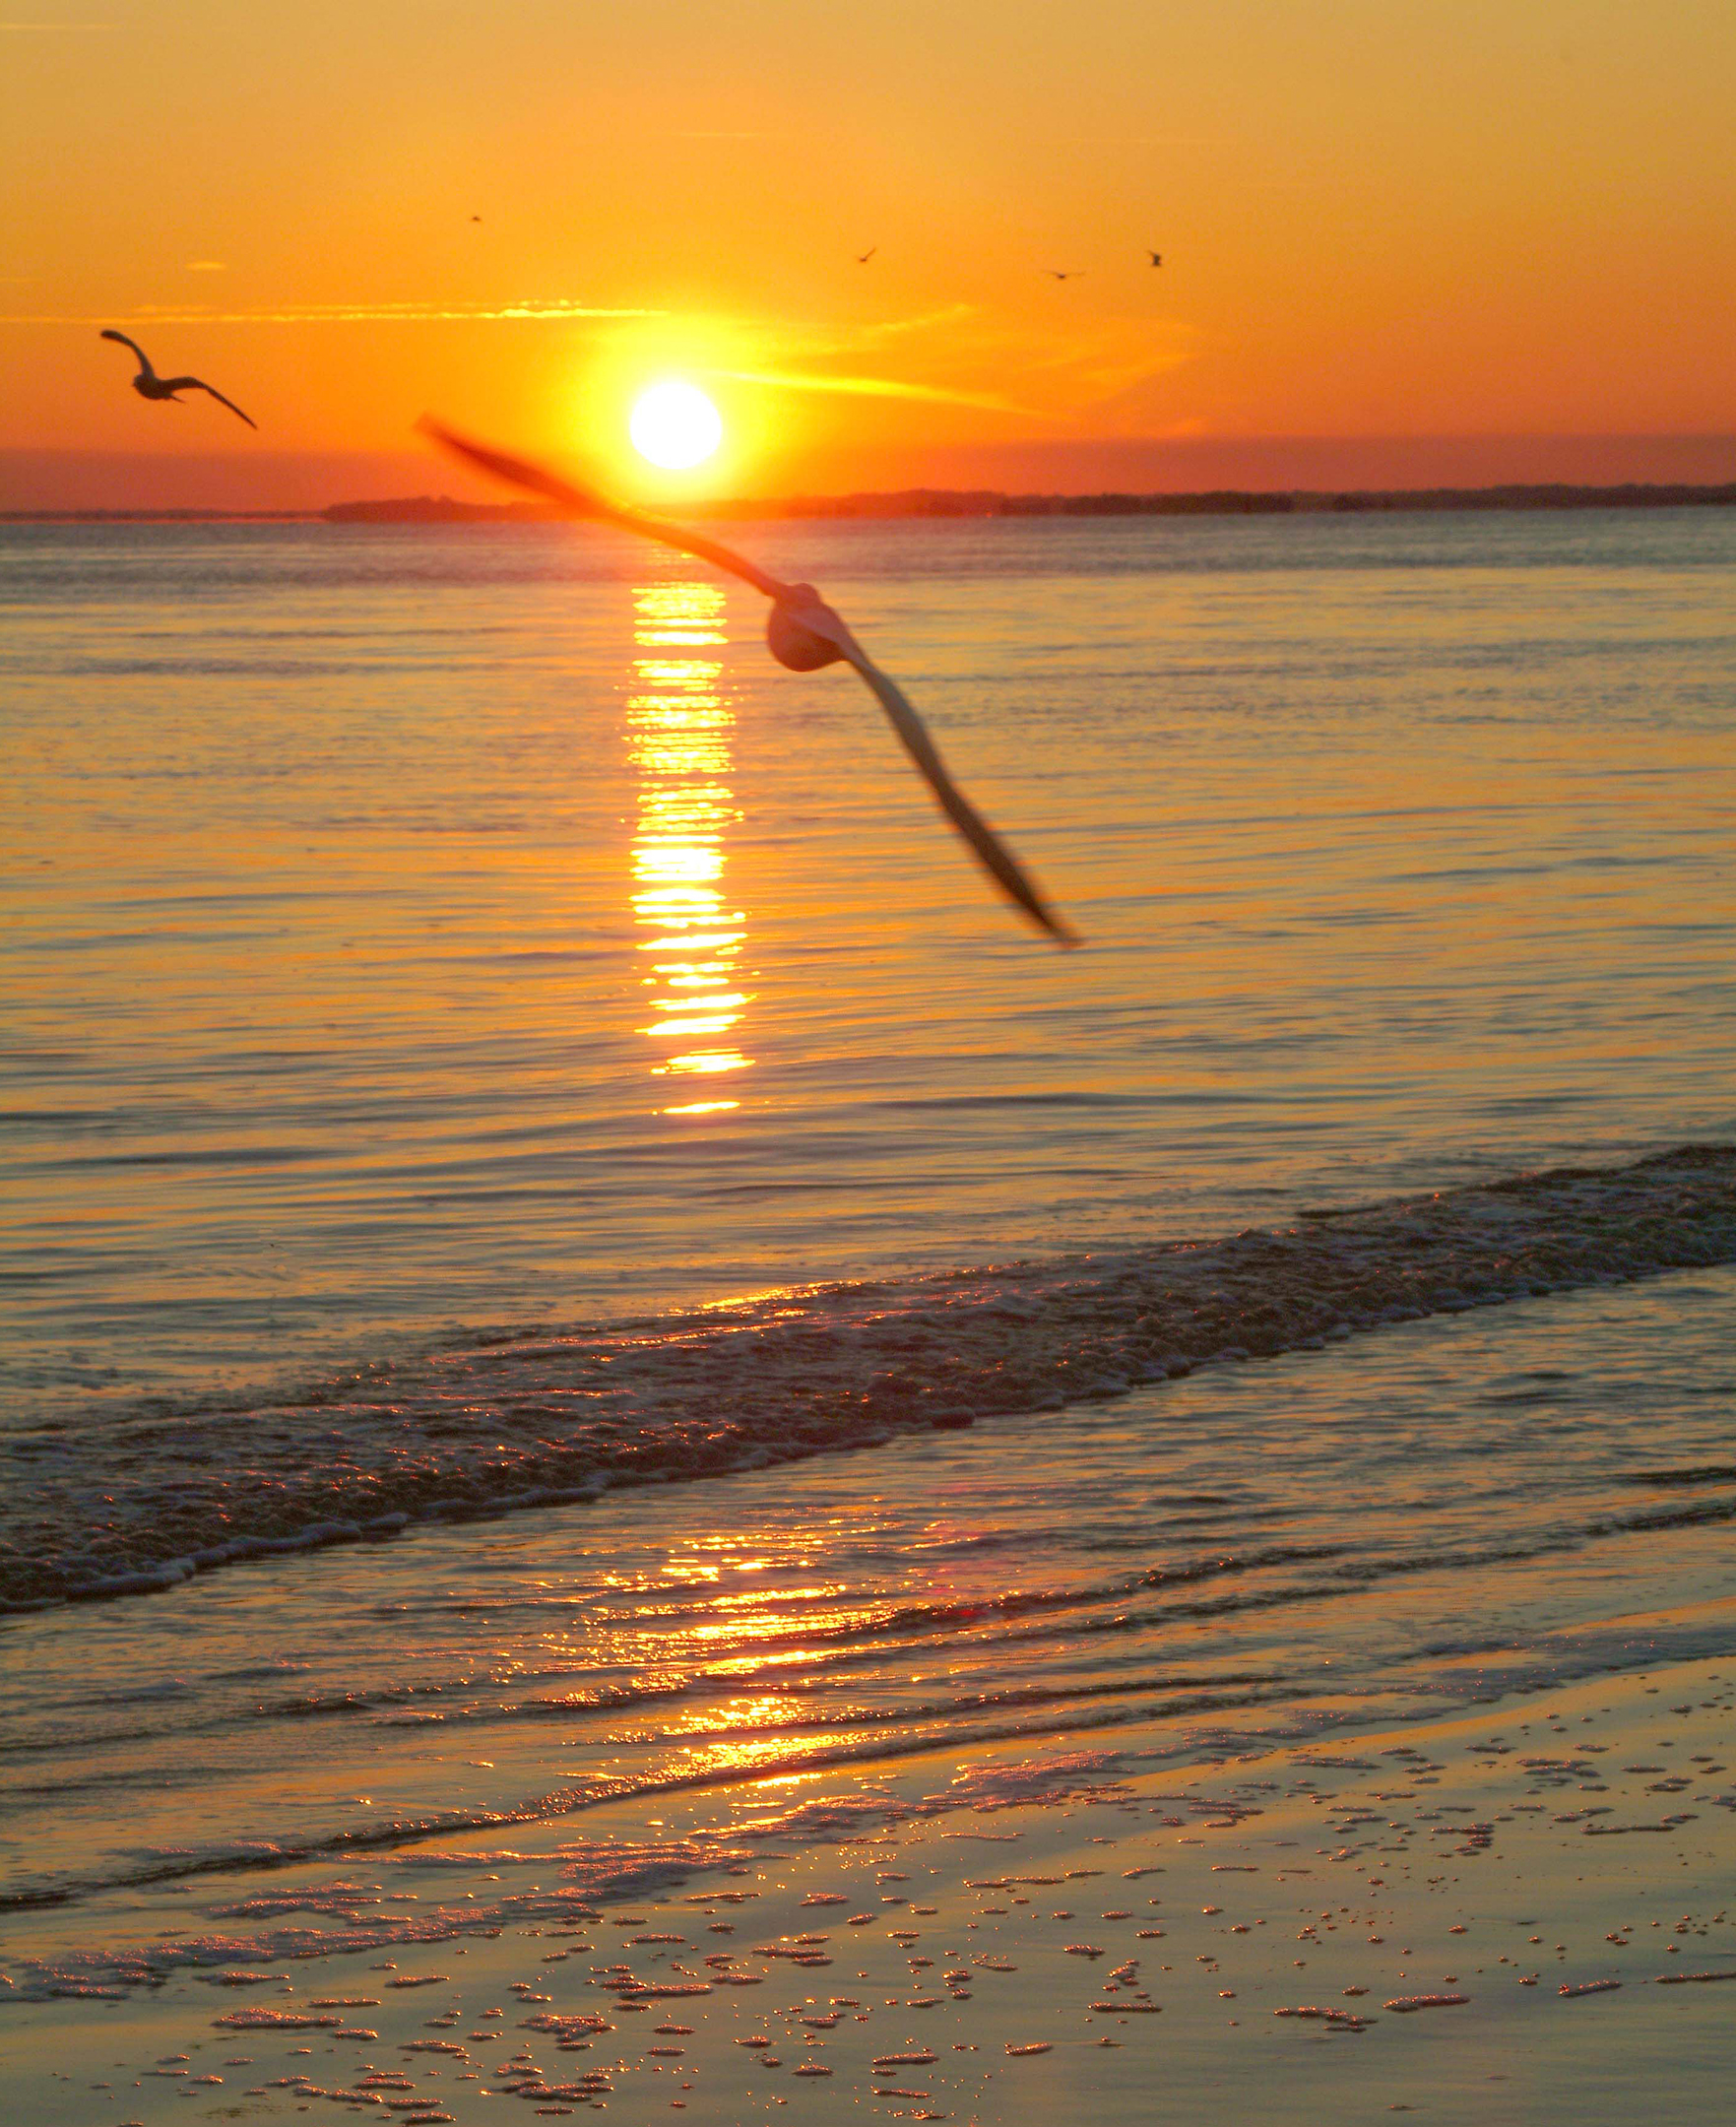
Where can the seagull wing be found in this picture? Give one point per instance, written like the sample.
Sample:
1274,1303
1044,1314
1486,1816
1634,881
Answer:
581,502
193,383
1002,866
809,614
144,369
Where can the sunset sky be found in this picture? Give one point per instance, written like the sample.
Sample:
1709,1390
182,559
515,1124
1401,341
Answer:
1381,221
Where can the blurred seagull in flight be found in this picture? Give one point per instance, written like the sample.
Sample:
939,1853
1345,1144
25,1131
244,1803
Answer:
148,385
1055,274
803,633
1157,258
862,257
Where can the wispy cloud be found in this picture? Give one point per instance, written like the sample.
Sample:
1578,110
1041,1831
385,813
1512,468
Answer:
870,387
857,339
345,314
1047,372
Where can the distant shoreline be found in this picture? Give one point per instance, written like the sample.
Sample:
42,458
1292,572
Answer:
940,502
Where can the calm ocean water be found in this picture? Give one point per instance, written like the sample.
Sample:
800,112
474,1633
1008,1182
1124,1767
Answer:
439,962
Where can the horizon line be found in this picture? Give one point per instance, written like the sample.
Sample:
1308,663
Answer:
445,508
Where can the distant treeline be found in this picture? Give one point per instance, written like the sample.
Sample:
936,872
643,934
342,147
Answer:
156,516
987,502
439,509
965,502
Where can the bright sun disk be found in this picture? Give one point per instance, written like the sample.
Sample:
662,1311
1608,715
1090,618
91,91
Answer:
674,425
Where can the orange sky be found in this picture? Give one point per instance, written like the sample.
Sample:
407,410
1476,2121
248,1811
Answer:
1379,218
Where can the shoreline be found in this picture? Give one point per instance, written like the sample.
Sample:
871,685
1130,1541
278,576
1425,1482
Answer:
733,1389
1411,1918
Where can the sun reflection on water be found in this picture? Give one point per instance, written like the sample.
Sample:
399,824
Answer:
678,725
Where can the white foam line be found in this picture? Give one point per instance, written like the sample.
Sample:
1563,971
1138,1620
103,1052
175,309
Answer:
555,1418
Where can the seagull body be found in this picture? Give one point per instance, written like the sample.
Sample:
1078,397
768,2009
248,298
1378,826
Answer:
804,633
862,257
148,385
1157,258
1055,274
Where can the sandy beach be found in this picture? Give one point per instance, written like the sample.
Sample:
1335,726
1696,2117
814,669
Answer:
1517,1917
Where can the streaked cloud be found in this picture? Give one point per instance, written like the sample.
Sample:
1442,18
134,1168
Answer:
870,387
817,345
947,356
407,313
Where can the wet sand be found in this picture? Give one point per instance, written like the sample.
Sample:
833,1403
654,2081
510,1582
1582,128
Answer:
1523,1916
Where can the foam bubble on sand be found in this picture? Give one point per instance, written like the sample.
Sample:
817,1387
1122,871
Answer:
1326,1859
591,1872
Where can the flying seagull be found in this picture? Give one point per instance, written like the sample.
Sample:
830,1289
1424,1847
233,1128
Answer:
862,257
803,633
1157,258
148,385
1055,275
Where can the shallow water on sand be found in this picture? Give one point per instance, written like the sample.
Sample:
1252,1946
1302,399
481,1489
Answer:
1441,1513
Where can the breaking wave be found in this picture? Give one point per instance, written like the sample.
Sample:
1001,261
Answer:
532,1418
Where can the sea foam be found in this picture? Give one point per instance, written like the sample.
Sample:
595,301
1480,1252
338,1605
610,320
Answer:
537,1418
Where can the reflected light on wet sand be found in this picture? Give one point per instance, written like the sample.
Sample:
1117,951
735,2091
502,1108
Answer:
677,736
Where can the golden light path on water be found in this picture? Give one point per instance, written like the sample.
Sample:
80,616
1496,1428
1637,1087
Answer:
678,725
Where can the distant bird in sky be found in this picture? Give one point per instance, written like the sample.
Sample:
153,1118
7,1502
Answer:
862,257
476,218
148,385
1055,274
803,633
1157,258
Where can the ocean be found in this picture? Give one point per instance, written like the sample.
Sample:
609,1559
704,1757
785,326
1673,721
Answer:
562,1246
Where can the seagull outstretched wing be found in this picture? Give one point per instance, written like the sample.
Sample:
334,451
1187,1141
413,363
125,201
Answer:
802,632
193,383
144,369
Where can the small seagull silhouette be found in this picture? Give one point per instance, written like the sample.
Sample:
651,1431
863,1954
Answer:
803,633
1055,274
148,385
476,218
1157,258
862,257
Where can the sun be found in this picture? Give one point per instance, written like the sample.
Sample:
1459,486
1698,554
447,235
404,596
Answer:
674,425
